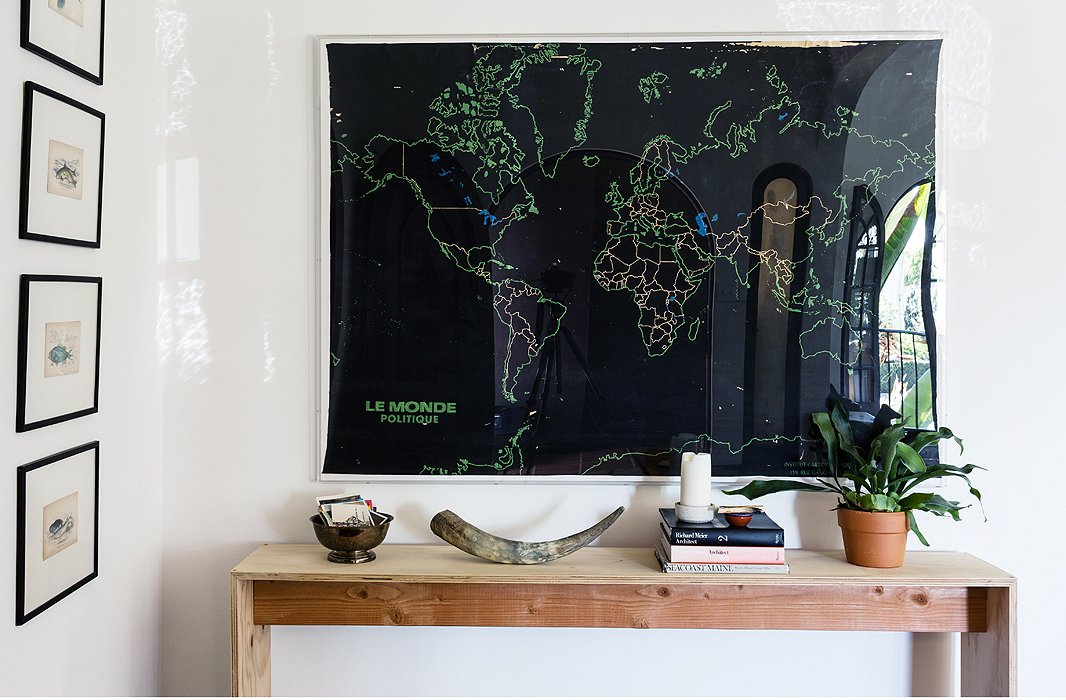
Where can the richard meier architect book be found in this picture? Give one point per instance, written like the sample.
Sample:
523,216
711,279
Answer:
760,532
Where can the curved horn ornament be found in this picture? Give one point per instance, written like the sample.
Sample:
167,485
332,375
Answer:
473,540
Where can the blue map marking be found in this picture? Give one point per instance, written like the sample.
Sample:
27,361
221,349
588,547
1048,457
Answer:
434,158
467,200
714,218
444,173
781,117
488,219
701,223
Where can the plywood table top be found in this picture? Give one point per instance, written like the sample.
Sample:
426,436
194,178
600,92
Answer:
599,565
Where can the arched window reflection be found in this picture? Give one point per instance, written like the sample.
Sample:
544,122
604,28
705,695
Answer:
780,196
907,308
860,369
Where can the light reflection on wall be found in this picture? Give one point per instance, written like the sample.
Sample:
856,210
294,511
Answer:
966,73
182,339
178,211
268,353
975,218
186,199
183,82
171,25
182,336
162,213
273,73
829,15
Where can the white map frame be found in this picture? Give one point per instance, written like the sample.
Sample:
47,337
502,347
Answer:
321,272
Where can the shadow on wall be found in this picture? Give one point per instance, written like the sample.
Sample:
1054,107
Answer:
932,653
195,638
816,523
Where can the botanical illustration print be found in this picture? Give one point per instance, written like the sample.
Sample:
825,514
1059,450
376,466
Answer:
74,10
62,348
60,525
64,169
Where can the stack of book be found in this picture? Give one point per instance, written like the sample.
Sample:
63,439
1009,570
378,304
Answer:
719,548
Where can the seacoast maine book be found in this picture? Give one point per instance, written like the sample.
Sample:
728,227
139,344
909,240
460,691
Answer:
669,567
762,531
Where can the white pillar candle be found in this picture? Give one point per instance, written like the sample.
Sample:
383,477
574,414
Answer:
695,479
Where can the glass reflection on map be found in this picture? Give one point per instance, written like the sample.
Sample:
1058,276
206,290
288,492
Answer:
573,259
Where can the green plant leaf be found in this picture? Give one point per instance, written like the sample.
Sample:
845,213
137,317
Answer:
859,481
914,526
884,446
915,205
911,459
915,501
917,403
977,494
954,510
877,502
947,470
926,438
908,482
824,424
845,438
758,488
877,476
936,504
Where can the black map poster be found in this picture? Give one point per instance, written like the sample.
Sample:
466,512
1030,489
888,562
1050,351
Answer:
573,260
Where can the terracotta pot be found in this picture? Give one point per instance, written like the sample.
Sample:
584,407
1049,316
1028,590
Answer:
876,540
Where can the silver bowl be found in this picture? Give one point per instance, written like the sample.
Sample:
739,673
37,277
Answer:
350,545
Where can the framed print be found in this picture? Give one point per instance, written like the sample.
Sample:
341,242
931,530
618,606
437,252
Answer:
62,169
59,349
575,258
58,518
69,33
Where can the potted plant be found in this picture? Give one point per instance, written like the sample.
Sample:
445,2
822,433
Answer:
875,465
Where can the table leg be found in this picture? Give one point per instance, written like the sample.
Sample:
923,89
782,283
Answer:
990,659
249,644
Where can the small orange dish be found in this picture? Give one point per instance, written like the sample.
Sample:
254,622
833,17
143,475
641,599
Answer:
738,519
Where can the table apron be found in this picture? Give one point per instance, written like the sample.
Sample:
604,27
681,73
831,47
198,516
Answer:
928,608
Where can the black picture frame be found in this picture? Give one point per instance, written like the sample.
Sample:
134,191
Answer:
49,208
61,40
38,588
60,392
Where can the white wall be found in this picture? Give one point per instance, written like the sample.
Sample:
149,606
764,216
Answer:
103,639
207,376
237,378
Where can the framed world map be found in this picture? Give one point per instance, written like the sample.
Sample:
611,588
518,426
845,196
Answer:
573,260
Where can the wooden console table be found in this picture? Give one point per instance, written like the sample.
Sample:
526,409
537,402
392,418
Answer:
420,585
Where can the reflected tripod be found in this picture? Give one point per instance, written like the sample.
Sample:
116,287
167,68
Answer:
556,285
